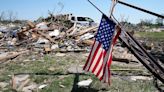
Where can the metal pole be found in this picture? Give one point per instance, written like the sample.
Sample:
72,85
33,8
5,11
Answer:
141,9
95,7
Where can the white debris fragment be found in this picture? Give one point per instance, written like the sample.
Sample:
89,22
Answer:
60,54
62,86
86,36
42,86
54,33
42,26
135,78
84,83
42,41
54,46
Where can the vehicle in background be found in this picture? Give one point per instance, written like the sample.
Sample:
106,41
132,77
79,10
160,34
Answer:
85,21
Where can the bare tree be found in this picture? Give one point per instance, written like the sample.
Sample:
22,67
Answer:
56,11
11,15
146,22
2,16
159,21
123,18
61,5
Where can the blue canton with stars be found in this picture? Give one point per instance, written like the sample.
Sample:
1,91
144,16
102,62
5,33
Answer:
105,32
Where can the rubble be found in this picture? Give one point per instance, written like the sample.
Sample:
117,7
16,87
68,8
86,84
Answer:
122,54
3,84
42,26
47,32
30,88
19,81
57,35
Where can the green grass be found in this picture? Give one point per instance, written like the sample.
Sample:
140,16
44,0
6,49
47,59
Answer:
55,85
58,77
152,35
119,85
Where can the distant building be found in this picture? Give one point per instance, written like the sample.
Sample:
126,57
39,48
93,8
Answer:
160,29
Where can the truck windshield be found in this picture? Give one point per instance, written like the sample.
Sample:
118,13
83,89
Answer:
84,19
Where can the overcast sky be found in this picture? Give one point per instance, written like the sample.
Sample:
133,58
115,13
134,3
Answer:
32,9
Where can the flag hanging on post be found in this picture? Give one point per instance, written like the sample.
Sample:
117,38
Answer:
100,57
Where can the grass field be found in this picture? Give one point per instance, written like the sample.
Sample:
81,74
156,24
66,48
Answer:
151,35
58,80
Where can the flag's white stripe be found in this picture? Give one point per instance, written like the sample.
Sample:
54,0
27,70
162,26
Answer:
92,53
100,74
99,65
96,59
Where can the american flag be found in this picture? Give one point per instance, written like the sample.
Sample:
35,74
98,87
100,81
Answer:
100,57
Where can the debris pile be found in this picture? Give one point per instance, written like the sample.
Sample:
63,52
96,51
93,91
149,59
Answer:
48,36
51,35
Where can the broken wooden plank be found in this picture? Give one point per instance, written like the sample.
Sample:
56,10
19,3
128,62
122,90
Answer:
86,30
46,36
88,42
31,24
141,54
71,29
126,69
10,55
23,84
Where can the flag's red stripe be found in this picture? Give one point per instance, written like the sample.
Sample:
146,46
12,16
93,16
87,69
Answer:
105,52
89,56
109,74
97,63
95,53
110,59
117,35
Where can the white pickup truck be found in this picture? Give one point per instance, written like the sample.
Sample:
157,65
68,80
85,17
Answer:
85,21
